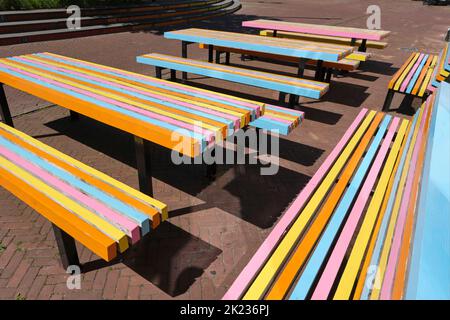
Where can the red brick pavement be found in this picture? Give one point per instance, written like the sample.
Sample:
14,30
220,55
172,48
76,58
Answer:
215,226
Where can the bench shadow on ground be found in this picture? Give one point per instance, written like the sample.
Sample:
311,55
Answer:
228,192
169,257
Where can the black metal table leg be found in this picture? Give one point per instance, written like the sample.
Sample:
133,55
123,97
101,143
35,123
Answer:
210,53
301,68
329,73
218,56
67,248
173,74
158,72
227,58
4,108
184,50
144,166
353,42
274,33
363,46
282,97
211,169
319,70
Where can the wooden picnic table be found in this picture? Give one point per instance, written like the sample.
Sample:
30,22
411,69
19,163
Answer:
324,30
176,116
304,50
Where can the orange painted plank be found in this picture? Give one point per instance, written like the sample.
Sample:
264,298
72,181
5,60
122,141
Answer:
421,77
400,71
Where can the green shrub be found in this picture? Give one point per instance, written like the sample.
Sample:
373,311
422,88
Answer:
48,4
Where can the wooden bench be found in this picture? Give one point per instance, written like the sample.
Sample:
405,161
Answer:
413,77
321,38
354,218
284,84
324,74
82,203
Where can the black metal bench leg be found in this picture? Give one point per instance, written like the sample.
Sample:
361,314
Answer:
67,248
227,58
363,46
144,166
4,108
173,74
158,72
74,115
210,53
282,97
218,56
184,45
211,169
301,68
388,100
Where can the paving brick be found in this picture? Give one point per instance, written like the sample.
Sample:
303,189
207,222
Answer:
21,271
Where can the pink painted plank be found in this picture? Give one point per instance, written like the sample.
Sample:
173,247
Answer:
168,84
248,273
411,73
235,119
131,228
388,280
328,276
208,134
313,29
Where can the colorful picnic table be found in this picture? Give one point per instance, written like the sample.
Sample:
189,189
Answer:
304,50
325,30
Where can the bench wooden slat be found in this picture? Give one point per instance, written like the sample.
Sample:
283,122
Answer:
260,283
242,282
321,38
277,118
303,87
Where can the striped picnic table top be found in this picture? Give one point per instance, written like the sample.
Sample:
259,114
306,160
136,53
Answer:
335,31
147,107
286,47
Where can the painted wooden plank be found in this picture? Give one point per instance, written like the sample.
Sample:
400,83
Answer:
297,259
421,81
401,70
287,47
247,274
122,191
406,71
413,78
335,31
348,277
321,38
261,282
429,272
239,78
382,260
327,278
316,260
387,214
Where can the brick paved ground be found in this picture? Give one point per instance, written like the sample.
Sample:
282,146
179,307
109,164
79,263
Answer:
214,227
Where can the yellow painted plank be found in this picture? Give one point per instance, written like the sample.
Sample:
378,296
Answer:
352,267
91,218
271,267
405,72
428,76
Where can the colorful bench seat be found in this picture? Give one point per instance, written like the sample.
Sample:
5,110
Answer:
354,218
322,38
284,84
100,212
413,77
277,118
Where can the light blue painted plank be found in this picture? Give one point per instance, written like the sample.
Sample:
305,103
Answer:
255,47
310,93
269,124
317,258
413,80
429,273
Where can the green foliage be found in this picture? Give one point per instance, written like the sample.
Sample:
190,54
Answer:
2,247
48,4
19,296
